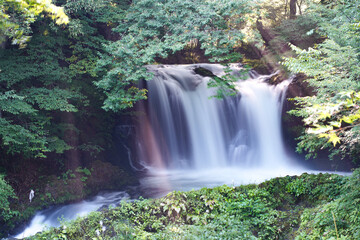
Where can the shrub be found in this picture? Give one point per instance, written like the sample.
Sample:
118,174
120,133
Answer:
6,194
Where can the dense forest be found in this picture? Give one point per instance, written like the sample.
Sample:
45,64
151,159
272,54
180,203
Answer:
69,73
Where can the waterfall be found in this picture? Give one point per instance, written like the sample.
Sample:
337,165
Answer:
187,139
183,127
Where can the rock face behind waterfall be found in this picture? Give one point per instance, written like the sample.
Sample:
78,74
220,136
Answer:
293,126
182,126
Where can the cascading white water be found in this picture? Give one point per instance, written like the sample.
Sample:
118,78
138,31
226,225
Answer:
177,98
52,217
188,140
192,130
258,142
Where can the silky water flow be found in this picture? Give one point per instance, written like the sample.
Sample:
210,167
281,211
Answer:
189,139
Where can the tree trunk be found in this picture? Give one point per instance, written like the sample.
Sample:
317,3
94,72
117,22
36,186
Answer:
293,9
299,6
71,137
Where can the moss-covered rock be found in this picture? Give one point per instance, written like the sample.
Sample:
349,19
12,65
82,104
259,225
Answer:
105,176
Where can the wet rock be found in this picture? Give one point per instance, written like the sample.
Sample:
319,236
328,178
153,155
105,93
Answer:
204,72
299,87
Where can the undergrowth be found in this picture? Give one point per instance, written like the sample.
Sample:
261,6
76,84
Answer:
323,206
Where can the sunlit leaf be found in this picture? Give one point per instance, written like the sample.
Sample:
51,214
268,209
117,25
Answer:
333,138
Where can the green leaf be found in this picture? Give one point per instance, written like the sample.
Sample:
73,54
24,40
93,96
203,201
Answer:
333,138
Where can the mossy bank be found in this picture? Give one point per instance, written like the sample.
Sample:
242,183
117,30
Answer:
323,206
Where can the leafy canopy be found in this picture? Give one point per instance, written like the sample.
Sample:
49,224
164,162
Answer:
17,15
156,29
33,86
52,77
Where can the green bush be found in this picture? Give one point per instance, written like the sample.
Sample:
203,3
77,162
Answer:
338,219
6,194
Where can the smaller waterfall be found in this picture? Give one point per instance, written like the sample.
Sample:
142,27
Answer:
51,217
258,142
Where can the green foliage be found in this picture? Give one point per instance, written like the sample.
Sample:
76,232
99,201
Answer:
156,29
338,219
17,16
84,174
85,171
298,187
52,77
299,31
6,195
271,210
33,87
333,69
225,85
